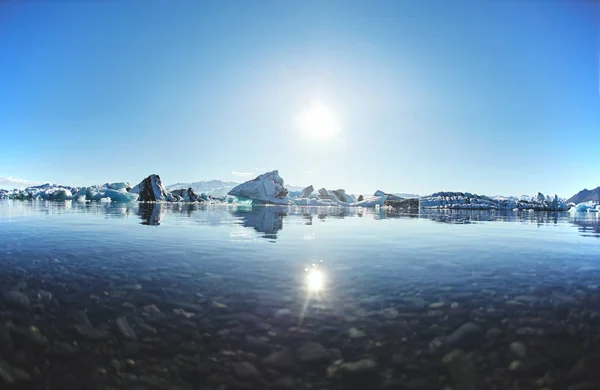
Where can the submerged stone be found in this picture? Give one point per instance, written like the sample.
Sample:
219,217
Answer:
125,329
312,352
16,300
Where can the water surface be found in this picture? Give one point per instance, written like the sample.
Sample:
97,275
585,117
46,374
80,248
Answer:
209,291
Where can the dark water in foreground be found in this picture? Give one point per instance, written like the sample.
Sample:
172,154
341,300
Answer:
113,296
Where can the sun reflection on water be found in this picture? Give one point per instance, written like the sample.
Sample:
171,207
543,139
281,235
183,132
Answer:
315,280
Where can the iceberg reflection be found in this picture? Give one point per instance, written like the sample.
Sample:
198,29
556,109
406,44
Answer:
266,219
151,213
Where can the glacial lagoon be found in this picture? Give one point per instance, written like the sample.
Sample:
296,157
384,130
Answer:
187,296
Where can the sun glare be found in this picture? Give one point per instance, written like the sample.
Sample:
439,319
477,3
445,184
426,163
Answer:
318,121
315,280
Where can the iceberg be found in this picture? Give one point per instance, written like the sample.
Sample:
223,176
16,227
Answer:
585,207
307,191
323,193
372,201
62,194
116,192
342,196
188,195
266,188
216,188
118,186
96,193
461,201
151,189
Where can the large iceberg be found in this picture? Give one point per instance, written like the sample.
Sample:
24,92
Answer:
151,189
266,188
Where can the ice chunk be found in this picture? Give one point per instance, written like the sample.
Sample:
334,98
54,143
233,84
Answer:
117,186
62,194
266,188
307,191
342,196
151,189
372,201
459,200
323,192
188,195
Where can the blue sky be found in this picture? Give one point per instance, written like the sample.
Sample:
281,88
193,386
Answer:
495,97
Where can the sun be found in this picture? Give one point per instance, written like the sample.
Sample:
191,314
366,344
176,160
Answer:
318,121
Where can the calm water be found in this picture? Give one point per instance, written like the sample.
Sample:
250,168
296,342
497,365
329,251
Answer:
221,297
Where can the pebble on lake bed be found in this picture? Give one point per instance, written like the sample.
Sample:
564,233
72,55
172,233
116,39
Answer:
518,348
245,370
125,329
17,300
312,352
516,366
354,333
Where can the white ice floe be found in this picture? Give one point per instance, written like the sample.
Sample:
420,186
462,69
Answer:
586,207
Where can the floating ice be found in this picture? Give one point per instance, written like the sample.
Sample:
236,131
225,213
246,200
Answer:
151,189
372,201
267,188
460,200
188,195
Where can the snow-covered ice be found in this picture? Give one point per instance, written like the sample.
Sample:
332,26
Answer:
266,188
269,188
462,200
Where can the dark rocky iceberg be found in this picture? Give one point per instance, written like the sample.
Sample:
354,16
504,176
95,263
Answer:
151,189
188,195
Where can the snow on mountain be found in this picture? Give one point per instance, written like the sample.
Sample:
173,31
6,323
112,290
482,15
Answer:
405,195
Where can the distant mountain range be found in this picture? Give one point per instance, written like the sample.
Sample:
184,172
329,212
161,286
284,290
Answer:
406,195
585,196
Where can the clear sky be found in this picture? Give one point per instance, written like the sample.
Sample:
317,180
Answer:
495,97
